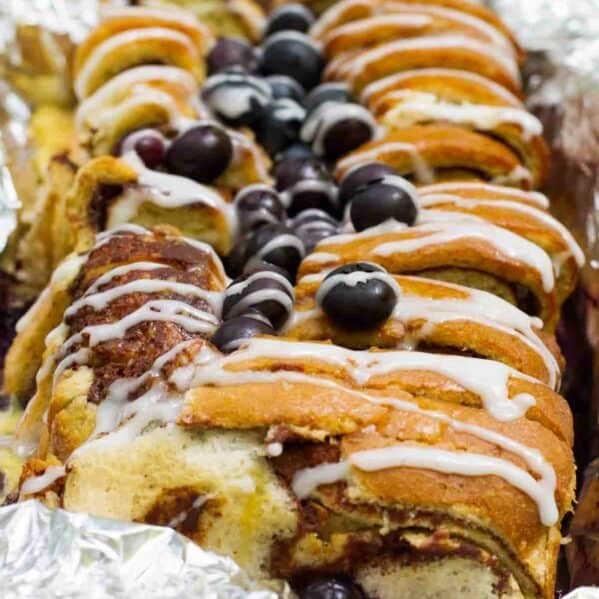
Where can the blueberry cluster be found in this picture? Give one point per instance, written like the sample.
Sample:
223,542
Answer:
201,153
281,224
259,302
274,90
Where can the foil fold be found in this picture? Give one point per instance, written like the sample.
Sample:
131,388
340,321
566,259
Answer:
47,554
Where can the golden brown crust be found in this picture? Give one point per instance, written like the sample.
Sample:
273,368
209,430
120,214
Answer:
459,335
119,21
439,148
472,253
69,399
384,26
344,12
451,85
365,420
361,68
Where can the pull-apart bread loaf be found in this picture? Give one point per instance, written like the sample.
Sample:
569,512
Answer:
400,469
371,406
442,80
138,75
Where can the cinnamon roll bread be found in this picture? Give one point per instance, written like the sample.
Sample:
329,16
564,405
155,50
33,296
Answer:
370,407
235,18
137,77
443,82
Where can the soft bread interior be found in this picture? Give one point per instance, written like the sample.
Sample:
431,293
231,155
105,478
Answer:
245,507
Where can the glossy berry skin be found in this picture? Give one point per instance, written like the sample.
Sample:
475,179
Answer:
266,291
332,588
236,261
232,333
333,91
359,176
290,17
258,205
313,225
236,97
279,125
356,300
289,171
306,183
297,150
286,87
278,245
149,144
345,136
201,153
293,54
381,200
231,52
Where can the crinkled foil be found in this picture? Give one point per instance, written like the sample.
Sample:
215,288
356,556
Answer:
47,554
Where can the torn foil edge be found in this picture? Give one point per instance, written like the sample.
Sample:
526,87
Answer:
48,553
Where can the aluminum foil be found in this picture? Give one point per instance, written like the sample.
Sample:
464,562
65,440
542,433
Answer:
51,554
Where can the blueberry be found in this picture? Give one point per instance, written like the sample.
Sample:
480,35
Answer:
289,171
236,260
391,197
333,91
290,17
361,175
231,52
201,153
258,205
279,125
293,54
266,291
232,333
306,183
278,245
236,97
358,296
297,150
285,87
332,588
335,128
256,265
313,225
149,144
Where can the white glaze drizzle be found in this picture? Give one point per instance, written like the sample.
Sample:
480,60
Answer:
361,366
419,107
235,94
485,30
35,484
362,63
509,244
240,286
129,81
101,299
214,372
280,241
167,191
546,219
124,38
388,83
422,171
534,197
191,319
